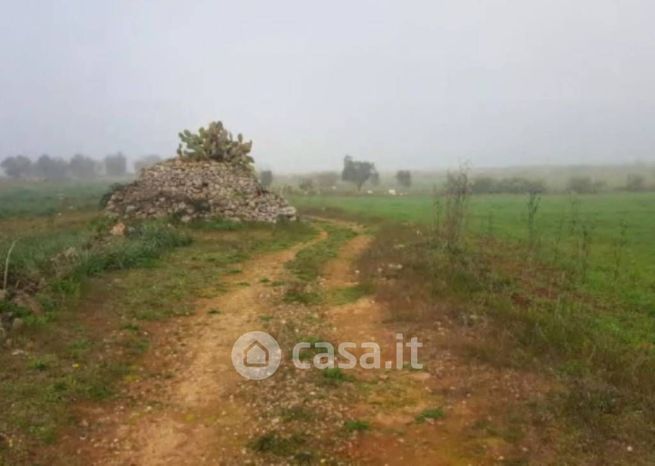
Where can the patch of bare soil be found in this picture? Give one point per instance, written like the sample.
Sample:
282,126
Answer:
191,407
184,411
453,411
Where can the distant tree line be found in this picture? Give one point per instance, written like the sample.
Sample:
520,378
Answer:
575,184
78,167
511,185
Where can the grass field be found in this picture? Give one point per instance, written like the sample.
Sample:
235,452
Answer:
95,297
36,199
561,286
565,285
618,227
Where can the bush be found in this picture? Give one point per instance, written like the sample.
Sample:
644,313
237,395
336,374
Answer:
584,185
214,143
635,183
70,256
484,185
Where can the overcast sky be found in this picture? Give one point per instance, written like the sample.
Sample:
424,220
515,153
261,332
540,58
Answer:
412,84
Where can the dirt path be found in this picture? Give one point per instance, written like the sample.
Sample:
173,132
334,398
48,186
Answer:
192,408
189,415
433,416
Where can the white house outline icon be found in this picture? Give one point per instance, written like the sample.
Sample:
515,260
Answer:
256,355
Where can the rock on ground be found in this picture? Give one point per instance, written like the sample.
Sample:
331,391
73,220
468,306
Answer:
199,189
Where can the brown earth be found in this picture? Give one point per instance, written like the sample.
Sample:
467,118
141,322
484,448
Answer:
193,408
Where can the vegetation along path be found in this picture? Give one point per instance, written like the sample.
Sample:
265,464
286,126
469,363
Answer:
189,406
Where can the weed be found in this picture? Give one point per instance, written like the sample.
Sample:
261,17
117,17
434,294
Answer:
297,294
335,376
534,199
432,414
350,294
277,445
297,413
357,425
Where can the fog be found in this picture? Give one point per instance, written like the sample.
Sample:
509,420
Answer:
422,84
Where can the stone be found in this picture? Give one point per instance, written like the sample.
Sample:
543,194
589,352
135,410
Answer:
199,189
17,324
118,229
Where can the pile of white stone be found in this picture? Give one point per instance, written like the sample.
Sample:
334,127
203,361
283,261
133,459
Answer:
204,189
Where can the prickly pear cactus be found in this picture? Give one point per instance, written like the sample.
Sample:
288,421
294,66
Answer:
215,143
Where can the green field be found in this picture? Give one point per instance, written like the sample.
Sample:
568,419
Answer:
619,230
20,199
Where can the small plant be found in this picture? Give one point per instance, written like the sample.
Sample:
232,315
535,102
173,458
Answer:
432,414
619,248
277,445
584,248
297,413
534,199
334,376
215,143
457,194
41,363
357,425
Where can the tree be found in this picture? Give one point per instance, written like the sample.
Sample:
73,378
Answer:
484,185
635,183
404,178
17,167
50,168
266,178
145,162
115,164
215,143
357,172
82,167
519,185
582,185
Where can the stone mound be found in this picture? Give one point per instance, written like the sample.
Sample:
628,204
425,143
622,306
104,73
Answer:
194,189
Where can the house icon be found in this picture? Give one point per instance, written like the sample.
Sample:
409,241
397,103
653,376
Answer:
256,355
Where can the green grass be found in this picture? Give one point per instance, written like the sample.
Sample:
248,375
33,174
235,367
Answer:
62,259
335,376
533,314
96,316
307,264
559,223
278,445
357,425
48,198
346,295
430,414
